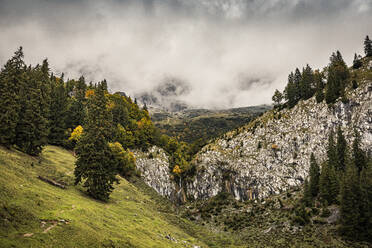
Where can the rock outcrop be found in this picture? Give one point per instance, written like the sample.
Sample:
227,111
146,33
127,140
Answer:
154,168
269,155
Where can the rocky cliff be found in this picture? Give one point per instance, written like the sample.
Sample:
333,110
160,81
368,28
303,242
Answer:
154,168
269,155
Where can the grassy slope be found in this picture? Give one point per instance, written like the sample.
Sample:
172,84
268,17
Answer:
128,220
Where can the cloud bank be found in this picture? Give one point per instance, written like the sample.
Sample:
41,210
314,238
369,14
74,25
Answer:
231,53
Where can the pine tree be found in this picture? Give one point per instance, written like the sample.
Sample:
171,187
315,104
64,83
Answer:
290,91
297,85
368,47
277,98
76,109
32,127
350,202
10,84
58,112
358,156
96,163
314,176
318,81
338,75
307,86
331,151
328,182
357,63
307,198
341,152
365,225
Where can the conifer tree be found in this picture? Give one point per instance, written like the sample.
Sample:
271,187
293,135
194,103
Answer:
314,176
368,47
358,155
58,112
277,98
365,225
318,81
297,85
32,128
96,164
290,91
307,198
350,200
338,75
76,109
357,63
328,182
10,83
341,152
307,86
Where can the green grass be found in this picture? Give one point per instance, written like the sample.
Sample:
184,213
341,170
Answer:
129,219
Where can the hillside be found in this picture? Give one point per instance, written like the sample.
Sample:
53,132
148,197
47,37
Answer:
270,154
191,125
34,213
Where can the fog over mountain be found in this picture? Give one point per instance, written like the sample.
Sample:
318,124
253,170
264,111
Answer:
229,53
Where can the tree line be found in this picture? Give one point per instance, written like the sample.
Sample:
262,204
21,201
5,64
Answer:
328,84
344,179
40,108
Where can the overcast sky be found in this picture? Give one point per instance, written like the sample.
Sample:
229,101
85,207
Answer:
231,53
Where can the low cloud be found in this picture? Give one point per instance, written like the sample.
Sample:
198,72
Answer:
231,53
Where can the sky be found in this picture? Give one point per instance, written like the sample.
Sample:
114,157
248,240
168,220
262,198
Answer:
226,53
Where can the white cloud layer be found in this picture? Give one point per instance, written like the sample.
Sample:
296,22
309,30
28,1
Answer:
231,52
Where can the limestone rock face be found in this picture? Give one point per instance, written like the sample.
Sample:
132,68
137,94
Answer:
154,168
267,156
272,154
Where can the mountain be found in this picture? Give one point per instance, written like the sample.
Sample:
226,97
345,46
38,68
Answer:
166,96
271,154
191,125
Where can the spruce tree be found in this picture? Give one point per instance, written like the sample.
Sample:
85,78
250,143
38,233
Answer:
32,126
365,225
11,80
331,150
277,98
307,86
328,184
290,91
76,109
328,181
338,75
350,202
58,112
341,152
368,47
314,176
297,85
96,164
357,63
318,81
358,156
307,198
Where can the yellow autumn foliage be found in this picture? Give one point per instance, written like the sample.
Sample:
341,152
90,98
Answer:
177,170
76,134
89,93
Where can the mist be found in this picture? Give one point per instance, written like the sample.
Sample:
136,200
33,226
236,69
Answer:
230,53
